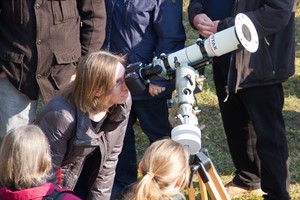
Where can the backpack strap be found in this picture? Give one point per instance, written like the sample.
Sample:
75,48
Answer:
57,195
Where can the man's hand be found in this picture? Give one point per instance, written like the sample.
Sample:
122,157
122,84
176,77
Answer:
205,25
155,90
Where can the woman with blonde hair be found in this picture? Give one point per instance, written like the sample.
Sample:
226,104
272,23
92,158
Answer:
86,124
25,163
165,169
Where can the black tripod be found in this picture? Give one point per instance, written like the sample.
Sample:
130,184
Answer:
209,181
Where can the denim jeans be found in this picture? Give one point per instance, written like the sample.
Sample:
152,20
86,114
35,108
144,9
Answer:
16,109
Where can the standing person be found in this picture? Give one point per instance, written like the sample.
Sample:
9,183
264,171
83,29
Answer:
25,163
250,92
86,124
40,44
141,30
165,169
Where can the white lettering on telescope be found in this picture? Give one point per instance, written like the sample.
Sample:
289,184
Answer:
213,43
212,46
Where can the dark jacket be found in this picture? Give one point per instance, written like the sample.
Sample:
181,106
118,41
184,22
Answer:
143,29
274,61
73,139
41,41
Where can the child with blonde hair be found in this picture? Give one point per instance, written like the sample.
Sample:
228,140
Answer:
25,163
165,169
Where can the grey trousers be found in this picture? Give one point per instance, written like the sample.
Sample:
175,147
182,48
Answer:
16,109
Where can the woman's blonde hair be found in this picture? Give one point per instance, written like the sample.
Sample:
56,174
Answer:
95,73
25,159
163,163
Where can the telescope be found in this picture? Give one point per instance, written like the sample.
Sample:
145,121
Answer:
182,67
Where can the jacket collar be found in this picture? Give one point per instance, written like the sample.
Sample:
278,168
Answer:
86,135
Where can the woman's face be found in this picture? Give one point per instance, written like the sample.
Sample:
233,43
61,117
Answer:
120,91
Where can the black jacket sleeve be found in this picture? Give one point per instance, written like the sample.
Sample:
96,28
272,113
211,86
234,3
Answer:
195,7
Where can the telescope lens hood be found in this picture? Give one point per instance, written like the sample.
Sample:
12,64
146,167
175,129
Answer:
246,32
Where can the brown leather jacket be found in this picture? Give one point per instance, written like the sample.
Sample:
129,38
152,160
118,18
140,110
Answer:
74,141
41,41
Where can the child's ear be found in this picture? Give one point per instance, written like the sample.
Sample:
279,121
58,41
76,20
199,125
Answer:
99,93
179,181
140,168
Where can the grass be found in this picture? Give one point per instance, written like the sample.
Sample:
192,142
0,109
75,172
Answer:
213,137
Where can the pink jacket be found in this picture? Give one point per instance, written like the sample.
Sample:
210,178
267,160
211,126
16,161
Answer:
35,193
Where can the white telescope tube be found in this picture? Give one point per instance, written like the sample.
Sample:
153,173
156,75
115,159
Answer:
222,42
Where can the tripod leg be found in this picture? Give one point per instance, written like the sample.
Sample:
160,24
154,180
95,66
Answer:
218,183
210,182
217,187
202,188
191,191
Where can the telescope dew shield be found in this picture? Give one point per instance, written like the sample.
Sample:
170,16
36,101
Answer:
228,40
220,43
246,32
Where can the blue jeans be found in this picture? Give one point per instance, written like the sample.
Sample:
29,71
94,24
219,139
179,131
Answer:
153,117
16,109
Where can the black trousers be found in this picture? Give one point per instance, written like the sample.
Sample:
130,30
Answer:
255,131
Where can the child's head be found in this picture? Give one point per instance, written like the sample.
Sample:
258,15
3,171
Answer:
25,158
165,169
